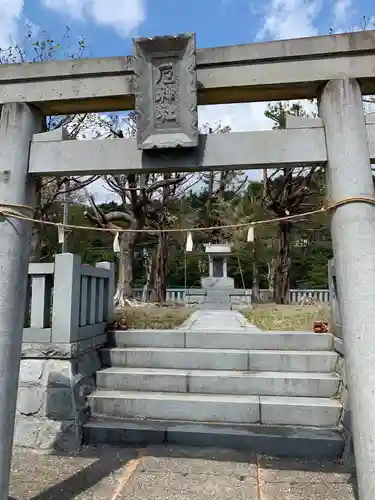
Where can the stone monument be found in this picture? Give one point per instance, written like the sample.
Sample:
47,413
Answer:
217,285
218,255
217,289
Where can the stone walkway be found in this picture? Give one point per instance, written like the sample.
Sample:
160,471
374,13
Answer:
167,473
218,320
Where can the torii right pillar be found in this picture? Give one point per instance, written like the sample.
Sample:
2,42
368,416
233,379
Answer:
353,236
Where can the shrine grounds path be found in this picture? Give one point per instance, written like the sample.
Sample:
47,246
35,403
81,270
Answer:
174,473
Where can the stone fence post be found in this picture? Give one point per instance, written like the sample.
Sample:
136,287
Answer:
66,298
110,293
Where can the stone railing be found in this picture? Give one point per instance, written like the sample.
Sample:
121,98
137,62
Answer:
67,311
178,295
68,301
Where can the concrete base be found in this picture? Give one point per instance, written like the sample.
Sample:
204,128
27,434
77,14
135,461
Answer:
190,407
52,398
212,380
237,409
320,385
223,339
275,441
221,359
218,283
217,294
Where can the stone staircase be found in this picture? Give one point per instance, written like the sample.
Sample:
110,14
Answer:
232,386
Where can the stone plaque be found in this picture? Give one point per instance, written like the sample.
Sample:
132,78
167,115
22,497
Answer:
165,87
217,267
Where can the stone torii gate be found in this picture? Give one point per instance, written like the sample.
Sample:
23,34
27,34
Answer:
164,81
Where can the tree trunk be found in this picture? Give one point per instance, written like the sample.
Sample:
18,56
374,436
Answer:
148,268
36,243
159,292
271,276
125,269
37,229
255,292
283,261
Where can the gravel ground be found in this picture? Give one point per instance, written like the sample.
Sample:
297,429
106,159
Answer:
166,473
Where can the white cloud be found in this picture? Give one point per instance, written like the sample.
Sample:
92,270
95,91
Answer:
290,19
239,117
11,12
342,11
99,190
124,16
283,19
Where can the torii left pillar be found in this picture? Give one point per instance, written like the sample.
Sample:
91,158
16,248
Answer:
18,123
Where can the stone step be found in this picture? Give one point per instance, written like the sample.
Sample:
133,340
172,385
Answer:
276,441
322,385
272,410
220,359
245,338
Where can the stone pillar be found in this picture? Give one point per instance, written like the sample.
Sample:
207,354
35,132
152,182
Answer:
210,266
18,123
225,267
353,236
67,294
110,293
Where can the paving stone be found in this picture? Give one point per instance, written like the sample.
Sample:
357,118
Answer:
295,471
199,466
89,475
308,491
176,486
171,473
44,433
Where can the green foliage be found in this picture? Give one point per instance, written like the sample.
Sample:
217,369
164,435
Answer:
310,247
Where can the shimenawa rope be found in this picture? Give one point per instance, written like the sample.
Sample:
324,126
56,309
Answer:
14,211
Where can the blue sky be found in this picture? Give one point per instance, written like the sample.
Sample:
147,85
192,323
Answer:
108,25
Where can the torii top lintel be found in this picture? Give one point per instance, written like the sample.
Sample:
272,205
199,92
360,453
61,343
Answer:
281,70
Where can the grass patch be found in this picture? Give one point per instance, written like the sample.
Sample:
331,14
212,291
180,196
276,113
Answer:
153,317
292,318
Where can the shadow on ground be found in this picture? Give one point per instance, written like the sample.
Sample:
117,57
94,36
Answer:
95,473
58,476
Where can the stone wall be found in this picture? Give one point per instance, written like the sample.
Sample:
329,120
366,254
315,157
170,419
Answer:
54,383
338,344
69,306
348,456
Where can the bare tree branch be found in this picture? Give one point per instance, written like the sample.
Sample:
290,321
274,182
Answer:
164,183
